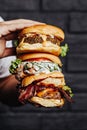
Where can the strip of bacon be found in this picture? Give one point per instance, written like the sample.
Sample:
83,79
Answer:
65,94
49,91
27,93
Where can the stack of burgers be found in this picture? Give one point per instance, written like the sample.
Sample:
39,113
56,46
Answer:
38,67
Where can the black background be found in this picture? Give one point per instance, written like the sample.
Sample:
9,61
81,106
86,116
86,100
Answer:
71,16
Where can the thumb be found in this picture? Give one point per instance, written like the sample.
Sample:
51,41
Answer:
12,36
2,46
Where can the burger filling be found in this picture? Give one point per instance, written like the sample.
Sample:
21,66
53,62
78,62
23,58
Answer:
45,92
32,38
32,67
39,40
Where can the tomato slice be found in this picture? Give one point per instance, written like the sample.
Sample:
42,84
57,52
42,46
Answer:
38,59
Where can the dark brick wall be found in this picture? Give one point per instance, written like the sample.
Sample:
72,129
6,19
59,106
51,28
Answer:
71,16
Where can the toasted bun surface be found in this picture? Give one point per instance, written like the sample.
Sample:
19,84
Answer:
51,57
57,82
29,79
47,102
38,47
44,29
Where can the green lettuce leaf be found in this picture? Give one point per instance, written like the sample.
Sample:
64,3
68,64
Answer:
14,65
65,49
67,88
16,42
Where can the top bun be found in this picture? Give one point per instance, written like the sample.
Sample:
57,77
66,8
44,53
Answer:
30,56
44,29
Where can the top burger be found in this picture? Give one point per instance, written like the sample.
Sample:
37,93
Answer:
40,38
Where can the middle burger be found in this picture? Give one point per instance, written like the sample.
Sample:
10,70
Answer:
35,63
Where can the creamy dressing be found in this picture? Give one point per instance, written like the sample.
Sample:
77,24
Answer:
36,67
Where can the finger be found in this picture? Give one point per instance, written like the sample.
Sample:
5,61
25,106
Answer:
11,26
2,47
12,36
23,21
9,52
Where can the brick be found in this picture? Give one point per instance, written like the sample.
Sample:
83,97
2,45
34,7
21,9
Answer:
56,19
80,103
4,108
78,22
77,63
62,5
57,5
64,121
17,6
77,43
31,108
23,15
77,81
45,121
23,121
53,121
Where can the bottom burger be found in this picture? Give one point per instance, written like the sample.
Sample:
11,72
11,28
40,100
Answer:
47,90
41,80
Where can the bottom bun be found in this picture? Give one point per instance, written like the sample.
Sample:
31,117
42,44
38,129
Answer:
47,102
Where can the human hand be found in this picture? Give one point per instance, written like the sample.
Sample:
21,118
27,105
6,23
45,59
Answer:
8,31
